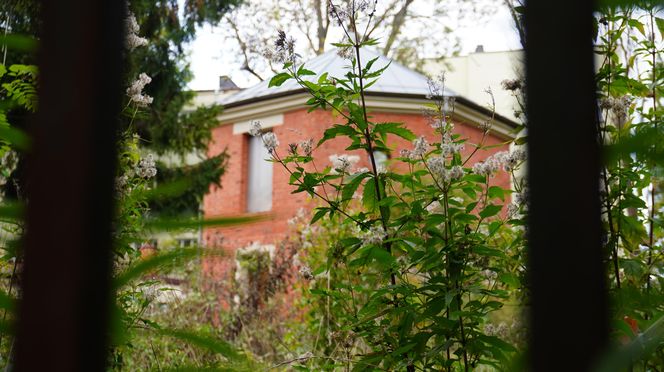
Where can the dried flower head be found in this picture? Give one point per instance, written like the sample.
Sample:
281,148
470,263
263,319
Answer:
511,85
307,146
343,163
284,49
270,141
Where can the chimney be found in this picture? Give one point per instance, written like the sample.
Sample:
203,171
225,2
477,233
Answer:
226,84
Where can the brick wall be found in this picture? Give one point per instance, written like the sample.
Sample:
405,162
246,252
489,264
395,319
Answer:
230,199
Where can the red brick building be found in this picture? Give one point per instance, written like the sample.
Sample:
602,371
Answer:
254,186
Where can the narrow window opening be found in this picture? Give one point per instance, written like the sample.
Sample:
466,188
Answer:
259,188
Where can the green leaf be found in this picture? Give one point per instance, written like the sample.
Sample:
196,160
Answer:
510,279
638,25
279,79
15,137
354,182
490,210
396,129
304,72
496,192
369,194
660,25
335,131
369,64
320,213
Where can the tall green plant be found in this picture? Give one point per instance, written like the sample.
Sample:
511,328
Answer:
427,264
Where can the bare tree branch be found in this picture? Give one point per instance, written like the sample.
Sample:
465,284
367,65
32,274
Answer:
397,22
243,48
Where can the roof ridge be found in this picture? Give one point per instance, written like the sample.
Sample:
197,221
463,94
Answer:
392,82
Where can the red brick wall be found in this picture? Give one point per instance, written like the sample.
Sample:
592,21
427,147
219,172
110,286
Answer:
299,125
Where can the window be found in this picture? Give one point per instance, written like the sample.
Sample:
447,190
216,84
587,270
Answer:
186,242
259,188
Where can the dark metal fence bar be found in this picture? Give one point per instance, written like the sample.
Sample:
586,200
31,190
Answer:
566,271
63,319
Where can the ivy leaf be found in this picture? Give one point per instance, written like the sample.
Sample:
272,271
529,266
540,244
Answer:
279,79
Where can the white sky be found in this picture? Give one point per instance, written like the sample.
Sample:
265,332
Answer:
209,59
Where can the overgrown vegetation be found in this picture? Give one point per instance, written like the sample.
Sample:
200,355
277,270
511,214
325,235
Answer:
415,265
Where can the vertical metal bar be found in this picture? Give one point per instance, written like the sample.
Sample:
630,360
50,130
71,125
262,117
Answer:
63,317
566,271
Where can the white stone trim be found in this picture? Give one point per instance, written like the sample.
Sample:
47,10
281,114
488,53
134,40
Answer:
271,111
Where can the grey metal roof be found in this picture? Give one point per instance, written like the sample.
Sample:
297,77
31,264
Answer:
397,79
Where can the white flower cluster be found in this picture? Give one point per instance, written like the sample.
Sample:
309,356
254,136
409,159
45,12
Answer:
135,91
420,147
132,40
505,160
375,235
269,139
343,163
146,167
438,169
447,147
